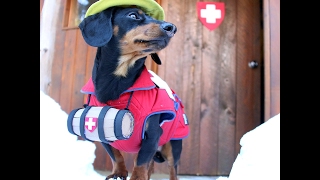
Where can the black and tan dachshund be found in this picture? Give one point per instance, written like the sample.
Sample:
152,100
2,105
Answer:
124,37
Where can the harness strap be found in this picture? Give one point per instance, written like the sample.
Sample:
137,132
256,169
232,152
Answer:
88,101
82,123
127,108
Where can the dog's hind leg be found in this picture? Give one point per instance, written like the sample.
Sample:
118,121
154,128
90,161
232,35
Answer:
171,152
148,149
119,168
176,146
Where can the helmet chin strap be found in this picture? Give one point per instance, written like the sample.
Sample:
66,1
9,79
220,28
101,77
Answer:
156,58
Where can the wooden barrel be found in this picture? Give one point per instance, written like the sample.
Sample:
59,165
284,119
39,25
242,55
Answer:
104,124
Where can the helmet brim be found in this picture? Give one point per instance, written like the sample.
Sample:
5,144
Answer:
150,7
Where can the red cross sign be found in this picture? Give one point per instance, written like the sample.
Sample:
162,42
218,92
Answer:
90,123
211,14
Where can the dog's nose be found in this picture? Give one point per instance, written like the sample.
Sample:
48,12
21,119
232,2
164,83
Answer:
169,28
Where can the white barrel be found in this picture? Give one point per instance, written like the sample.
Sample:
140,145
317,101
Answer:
104,124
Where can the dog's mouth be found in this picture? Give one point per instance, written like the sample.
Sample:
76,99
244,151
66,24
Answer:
151,46
141,41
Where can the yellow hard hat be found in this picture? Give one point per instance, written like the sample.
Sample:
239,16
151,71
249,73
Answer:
150,7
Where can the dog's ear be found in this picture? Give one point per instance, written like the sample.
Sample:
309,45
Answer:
97,29
156,58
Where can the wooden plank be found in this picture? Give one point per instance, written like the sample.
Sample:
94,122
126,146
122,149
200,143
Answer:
274,58
267,53
248,80
271,18
181,69
66,13
72,14
91,54
57,64
90,61
67,70
257,55
209,100
78,77
226,51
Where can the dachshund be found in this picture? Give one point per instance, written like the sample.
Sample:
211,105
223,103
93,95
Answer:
124,37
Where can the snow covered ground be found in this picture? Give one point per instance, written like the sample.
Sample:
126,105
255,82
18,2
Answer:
259,157
63,157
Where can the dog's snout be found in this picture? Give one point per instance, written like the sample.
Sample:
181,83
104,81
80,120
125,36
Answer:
169,28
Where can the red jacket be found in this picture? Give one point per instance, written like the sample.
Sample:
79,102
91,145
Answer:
146,100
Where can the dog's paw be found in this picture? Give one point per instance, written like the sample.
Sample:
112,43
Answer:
139,173
118,176
138,178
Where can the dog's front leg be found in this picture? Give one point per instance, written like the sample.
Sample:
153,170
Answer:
119,169
151,168
148,148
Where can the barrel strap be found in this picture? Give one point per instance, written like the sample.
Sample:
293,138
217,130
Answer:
102,114
70,120
118,124
82,123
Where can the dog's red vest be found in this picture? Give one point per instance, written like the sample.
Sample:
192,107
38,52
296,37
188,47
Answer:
146,100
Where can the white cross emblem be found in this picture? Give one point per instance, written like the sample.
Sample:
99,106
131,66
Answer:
91,123
210,13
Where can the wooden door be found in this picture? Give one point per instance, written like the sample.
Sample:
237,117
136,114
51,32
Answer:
209,71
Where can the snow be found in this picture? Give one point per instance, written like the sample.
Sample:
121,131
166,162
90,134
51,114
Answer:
64,157
259,157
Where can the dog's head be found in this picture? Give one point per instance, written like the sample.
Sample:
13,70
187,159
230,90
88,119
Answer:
134,33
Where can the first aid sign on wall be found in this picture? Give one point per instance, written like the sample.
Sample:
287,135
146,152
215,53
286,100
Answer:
211,14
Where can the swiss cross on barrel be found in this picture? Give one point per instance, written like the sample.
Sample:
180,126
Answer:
91,123
211,14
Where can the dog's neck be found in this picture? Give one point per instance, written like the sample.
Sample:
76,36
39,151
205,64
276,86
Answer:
109,86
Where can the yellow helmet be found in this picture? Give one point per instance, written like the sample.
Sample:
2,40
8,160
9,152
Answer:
150,7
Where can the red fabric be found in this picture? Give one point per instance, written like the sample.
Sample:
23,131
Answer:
146,100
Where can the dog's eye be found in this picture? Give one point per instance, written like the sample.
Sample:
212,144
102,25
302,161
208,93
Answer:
133,16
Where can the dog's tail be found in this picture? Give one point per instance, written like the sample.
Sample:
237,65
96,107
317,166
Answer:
158,157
